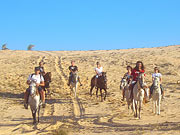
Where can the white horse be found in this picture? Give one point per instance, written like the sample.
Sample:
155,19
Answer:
34,101
74,83
125,86
138,95
156,96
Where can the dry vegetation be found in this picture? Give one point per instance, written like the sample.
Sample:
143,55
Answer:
86,115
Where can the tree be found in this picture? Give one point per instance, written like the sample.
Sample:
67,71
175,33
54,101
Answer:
4,47
30,47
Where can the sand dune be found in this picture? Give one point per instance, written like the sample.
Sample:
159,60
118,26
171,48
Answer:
86,115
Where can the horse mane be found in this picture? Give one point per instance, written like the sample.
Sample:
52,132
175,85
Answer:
37,92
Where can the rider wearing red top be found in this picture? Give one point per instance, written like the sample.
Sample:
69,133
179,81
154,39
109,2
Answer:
135,73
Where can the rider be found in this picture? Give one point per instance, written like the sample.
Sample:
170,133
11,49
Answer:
159,75
41,67
128,75
40,82
98,70
139,68
73,69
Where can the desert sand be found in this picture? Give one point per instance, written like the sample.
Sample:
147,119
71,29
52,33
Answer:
87,115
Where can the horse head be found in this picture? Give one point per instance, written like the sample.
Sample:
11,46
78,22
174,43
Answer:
123,82
74,77
156,82
33,90
103,79
47,77
141,79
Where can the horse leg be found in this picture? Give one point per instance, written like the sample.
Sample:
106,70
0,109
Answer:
147,94
45,91
101,95
156,106
136,108
34,116
39,112
75,90
91,90
133,107
152,106
140,103
158,102
97,92
105,94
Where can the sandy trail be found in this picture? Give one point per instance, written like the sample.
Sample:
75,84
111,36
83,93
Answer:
85,114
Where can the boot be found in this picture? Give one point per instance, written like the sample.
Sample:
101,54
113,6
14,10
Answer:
69,81
80,81
26,95
123,95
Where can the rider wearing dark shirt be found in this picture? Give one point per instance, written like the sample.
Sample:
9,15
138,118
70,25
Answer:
73,69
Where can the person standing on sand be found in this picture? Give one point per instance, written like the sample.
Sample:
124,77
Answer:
128,76
159,75
73,69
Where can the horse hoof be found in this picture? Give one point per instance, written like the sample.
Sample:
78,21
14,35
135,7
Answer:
34,122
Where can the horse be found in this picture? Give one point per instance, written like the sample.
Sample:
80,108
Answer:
74,82
125,84
138,95
34,101
156,96
47,81
101,84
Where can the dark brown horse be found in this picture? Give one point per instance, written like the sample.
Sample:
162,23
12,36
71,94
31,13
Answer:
47,80
101,84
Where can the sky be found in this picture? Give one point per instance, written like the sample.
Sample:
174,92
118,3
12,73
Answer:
89,24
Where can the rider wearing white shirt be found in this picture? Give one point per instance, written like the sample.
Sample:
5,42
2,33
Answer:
38,78
156,75
98,70
159,75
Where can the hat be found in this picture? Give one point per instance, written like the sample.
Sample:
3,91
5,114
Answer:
37,68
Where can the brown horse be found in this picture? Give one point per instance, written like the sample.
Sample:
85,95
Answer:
47,80
101,84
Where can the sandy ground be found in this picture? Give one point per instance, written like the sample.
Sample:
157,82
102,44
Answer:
86,115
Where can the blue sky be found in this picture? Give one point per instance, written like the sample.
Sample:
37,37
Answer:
89,24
